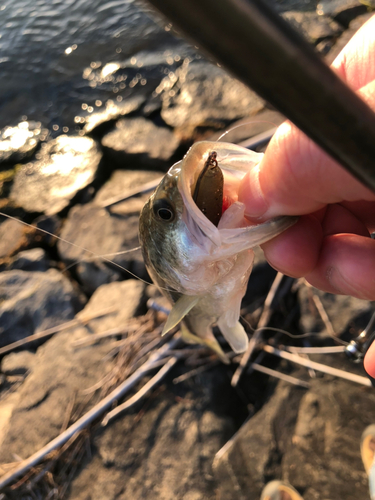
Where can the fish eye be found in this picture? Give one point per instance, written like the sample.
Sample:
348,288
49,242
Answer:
163,210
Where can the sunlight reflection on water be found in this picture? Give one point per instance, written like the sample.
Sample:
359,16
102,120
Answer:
52,53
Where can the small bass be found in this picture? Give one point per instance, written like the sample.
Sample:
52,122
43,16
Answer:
197,243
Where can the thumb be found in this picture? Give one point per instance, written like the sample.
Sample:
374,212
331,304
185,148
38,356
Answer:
295,177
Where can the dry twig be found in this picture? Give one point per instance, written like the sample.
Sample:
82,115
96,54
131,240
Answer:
89,417
142,392
263,320
318,366
324,316
131,326
279,375
55,329
196,371
316,350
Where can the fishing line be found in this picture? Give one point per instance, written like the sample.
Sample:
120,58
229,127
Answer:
120,253
79,247
291,335
101,256
243,125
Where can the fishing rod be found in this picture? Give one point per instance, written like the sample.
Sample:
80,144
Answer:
263,51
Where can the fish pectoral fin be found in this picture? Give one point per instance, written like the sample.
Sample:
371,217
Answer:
179,311
234,335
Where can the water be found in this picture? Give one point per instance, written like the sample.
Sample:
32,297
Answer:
49,49
54,53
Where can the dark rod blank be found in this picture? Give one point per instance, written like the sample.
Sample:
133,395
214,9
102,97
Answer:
259,48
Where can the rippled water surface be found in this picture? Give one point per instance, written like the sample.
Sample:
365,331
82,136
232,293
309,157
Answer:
48,48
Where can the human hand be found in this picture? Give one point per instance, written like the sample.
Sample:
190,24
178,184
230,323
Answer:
330,245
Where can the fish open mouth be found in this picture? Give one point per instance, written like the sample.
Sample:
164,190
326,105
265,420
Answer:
211,173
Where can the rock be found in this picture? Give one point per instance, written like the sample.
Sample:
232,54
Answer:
359,21
129,84
325,46
137,141
124,299
334,7
19,143
45,230
254,448
347,35
64,166
206,96
7,405
110,232
122,181
308,438
323,460
62,371
31,302
343,11
12,237
312,26
6,178
16,236
113,110
31,260
166,452
95,232
17,363
249,127
288,5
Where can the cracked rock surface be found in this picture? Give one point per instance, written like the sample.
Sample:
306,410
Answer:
60,371
63,167
309,438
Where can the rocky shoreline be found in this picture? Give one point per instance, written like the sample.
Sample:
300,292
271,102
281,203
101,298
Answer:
170,444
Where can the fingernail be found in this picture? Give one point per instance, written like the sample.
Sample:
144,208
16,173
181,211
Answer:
250,193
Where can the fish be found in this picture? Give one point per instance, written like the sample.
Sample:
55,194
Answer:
197,242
